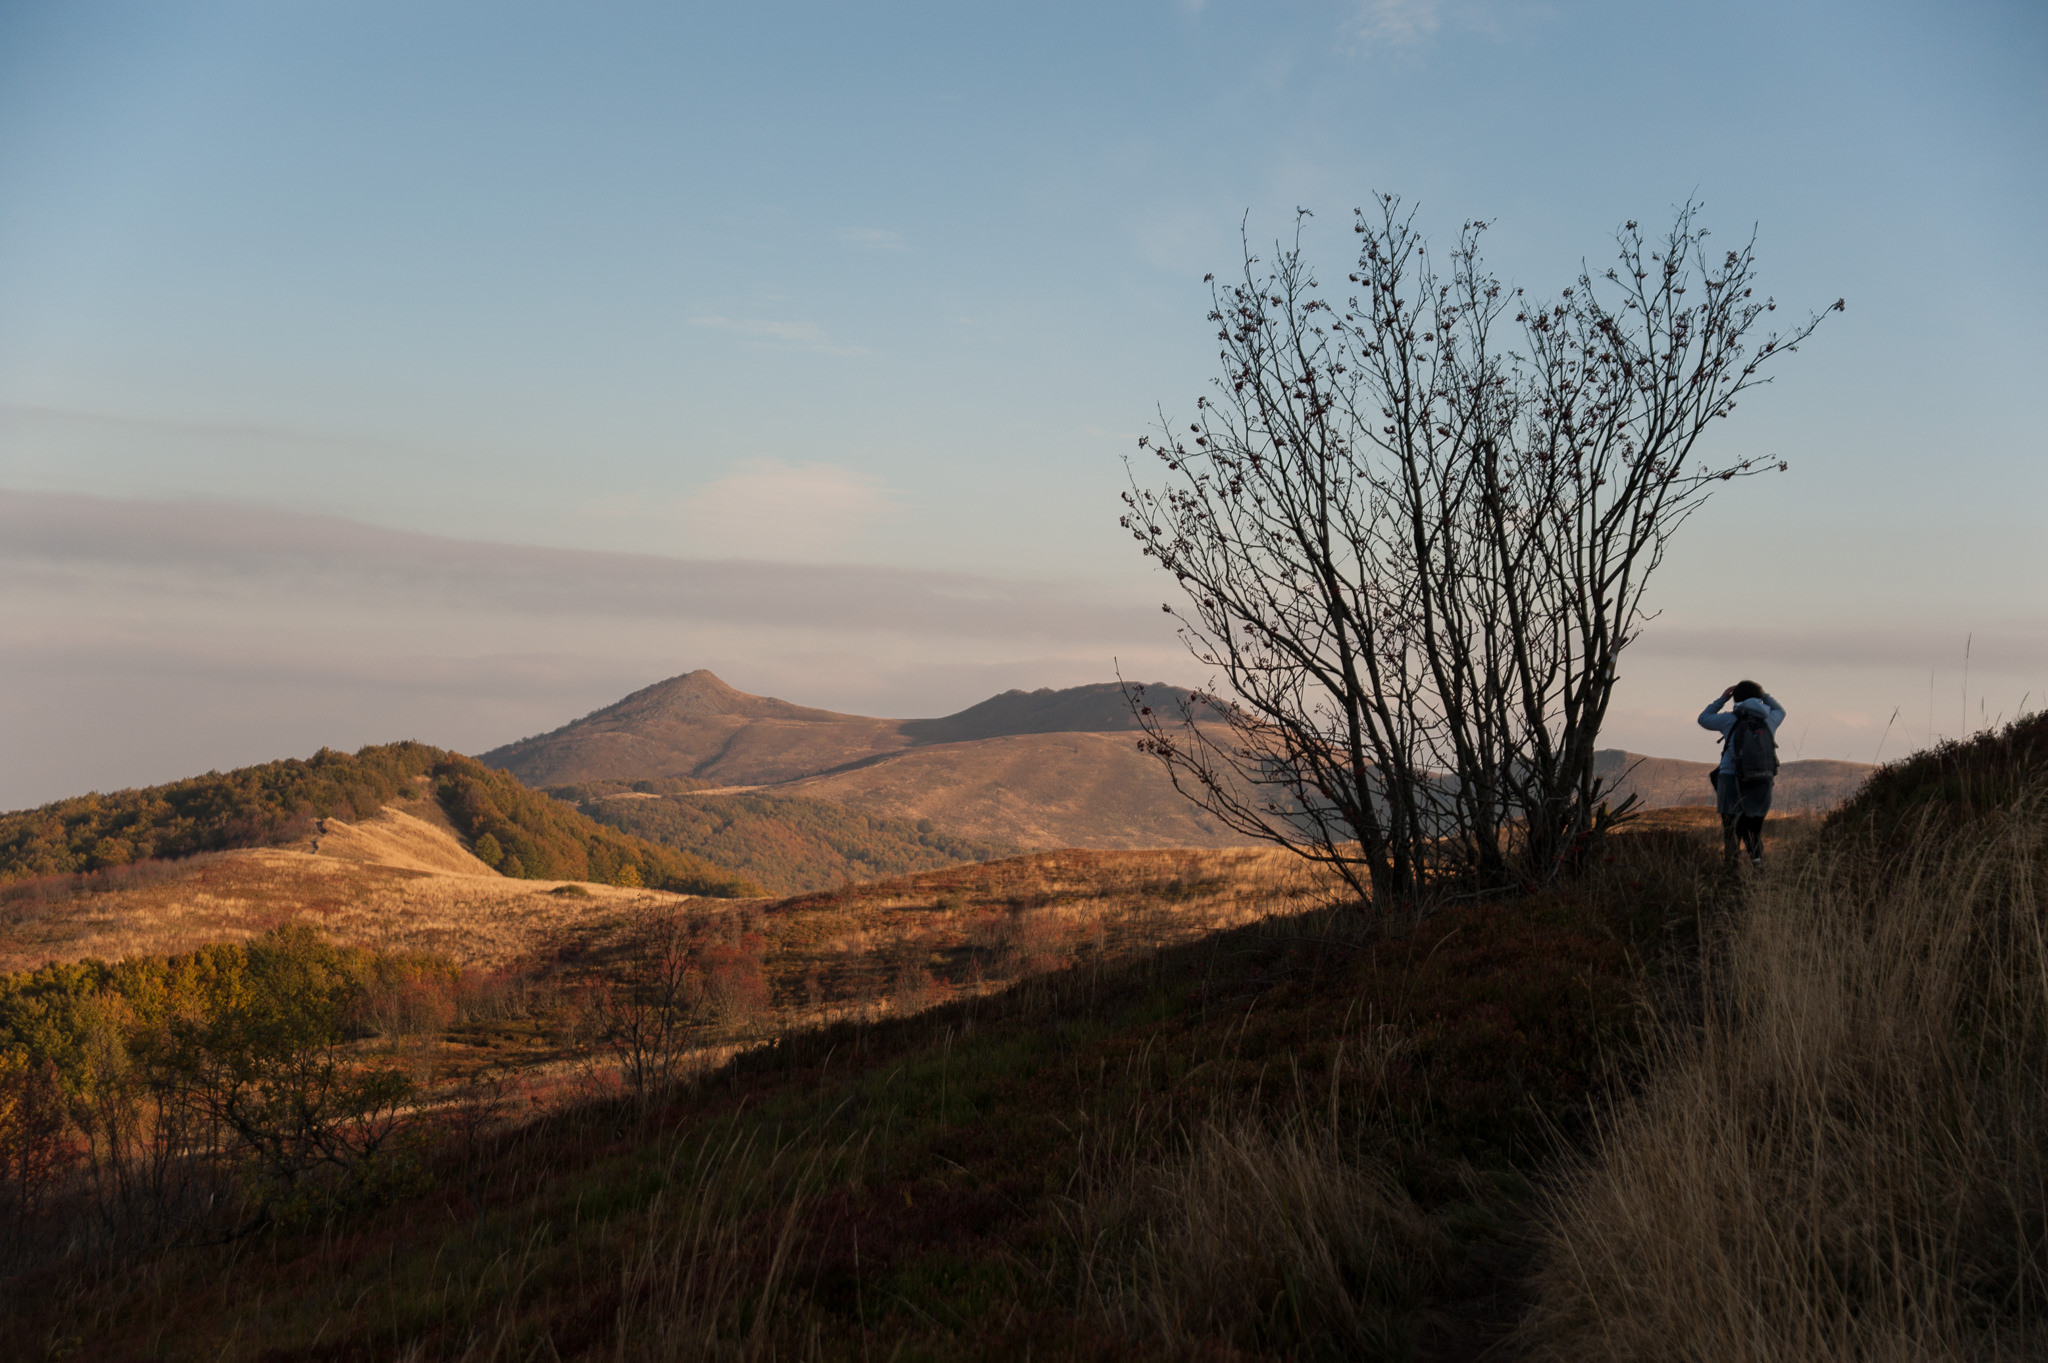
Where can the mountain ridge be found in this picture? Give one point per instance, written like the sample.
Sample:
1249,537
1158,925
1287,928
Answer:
1038,769
695,726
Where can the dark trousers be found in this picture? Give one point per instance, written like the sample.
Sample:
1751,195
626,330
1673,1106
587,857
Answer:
1743,805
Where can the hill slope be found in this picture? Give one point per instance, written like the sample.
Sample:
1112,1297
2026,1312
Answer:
1669,783
1037,790
400,880
697,727
1046,768
514,831
787,845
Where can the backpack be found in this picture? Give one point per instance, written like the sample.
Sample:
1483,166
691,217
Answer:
1756,748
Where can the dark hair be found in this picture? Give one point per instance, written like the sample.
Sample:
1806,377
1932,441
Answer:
1747,690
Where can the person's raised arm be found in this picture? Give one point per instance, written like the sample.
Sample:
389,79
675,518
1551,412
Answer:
1777,714
1710,717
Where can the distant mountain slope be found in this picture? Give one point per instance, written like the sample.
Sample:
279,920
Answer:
786,845
697,727
1097,709
1814,786
1034,769
1037,790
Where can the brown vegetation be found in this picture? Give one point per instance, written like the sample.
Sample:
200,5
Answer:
1055,1107
1842,1156
399,881
785,844
695,727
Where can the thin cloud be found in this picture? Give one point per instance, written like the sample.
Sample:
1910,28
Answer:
1398,23
2004,645
148,557
1410,25
766,502
144,640
782,335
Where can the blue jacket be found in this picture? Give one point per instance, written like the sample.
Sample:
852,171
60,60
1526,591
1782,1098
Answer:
1712,718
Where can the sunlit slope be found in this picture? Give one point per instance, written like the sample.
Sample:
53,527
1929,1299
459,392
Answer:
784,844
400,880
696,727
1037,790
509,828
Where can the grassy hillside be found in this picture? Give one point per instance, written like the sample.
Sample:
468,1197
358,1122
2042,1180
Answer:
1037,790
1530,1127
399,881
785,845
1842,1151
695,726
516,831
1303,1137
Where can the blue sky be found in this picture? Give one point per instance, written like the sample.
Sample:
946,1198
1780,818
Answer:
894,288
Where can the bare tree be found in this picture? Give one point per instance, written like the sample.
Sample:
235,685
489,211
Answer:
1415,534
648,1019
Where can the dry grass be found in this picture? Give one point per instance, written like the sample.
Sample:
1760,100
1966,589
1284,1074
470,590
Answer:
531,953
1295,1238
395,883
1846,1155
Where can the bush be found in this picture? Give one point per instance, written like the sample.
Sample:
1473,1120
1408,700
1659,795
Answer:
211,1093
407,1002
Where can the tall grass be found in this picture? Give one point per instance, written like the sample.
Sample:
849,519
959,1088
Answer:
1844,1154
1293,1236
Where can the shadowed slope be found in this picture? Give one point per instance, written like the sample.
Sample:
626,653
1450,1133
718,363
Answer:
1810,787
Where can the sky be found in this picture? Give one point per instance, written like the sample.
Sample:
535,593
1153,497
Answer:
381,370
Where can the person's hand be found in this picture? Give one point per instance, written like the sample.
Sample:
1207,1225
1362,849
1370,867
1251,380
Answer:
1728,694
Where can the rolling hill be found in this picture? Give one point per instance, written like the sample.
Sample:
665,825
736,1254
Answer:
1810,787
1032,769
399,879
508,828
697,727
785,844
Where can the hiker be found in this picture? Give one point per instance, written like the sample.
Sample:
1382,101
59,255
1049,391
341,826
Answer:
1749,764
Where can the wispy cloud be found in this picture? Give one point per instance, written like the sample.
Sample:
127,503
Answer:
767,504
871,238
1410,25
783,335
144,640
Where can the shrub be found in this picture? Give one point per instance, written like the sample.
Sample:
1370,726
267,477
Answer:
407,1002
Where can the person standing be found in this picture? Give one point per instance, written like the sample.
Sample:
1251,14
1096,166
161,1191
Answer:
1749,765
